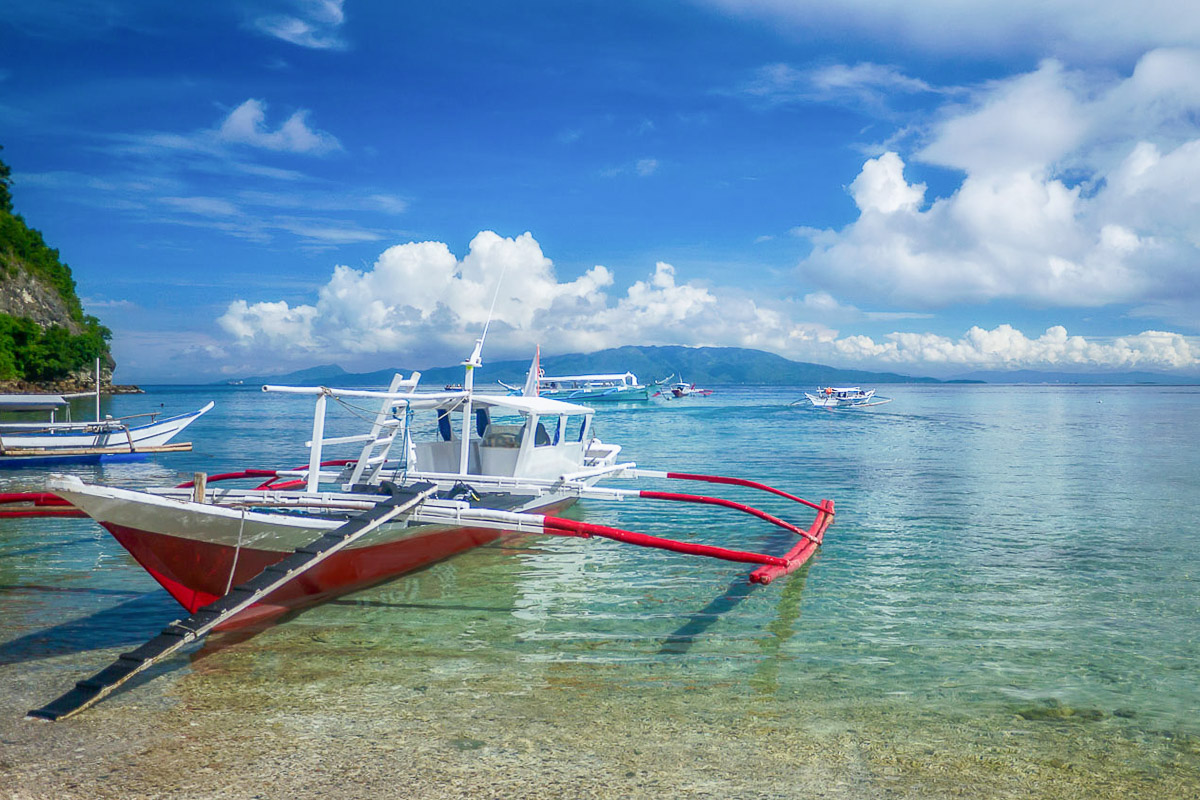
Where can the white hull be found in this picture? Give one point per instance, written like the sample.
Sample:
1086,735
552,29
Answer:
105,435
845,398
271,530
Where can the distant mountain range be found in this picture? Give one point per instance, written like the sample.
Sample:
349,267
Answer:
699,365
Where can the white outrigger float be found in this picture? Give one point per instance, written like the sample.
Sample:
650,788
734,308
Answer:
844,397
234,555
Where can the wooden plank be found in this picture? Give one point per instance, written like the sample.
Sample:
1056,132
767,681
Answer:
179,633
46,452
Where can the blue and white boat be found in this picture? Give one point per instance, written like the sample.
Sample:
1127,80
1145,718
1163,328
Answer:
34,443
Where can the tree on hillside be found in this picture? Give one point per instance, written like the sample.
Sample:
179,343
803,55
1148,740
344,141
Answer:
5,194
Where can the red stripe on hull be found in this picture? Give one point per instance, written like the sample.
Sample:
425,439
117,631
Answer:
197,573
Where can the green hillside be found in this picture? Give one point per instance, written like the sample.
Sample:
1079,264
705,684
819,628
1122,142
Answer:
49,337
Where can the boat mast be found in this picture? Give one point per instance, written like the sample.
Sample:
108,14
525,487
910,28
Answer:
97,388
471,363
476,360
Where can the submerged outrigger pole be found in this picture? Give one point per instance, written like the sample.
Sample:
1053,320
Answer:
772,567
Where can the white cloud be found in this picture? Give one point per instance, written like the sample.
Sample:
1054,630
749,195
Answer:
1022,124
1083,29
246,124
647,166
270,323
642,168
418,298
315,26
1076,191
827,308
420,304
203,206
865,82
1005,347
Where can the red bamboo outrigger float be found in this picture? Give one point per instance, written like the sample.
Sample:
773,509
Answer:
233,555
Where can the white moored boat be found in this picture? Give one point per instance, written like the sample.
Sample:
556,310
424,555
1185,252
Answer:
844,397
48,442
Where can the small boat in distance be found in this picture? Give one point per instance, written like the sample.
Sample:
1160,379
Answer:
35,443
608,388
844,397
683,389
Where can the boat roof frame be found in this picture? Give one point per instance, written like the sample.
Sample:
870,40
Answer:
31,402
540,406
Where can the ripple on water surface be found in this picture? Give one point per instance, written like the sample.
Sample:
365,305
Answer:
1006,604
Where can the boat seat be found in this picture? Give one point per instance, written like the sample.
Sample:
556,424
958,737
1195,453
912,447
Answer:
502,436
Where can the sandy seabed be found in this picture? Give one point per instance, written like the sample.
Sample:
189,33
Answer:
245,721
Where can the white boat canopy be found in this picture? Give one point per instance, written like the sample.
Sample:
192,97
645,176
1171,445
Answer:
622,377
31,402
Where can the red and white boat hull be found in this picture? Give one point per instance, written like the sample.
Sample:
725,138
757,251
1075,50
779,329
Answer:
197,551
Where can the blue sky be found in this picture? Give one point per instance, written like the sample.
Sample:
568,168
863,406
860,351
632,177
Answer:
923,187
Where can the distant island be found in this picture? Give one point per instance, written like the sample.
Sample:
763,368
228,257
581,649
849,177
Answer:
703,365
699,365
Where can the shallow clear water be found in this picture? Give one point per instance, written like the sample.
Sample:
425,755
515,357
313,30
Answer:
1011,577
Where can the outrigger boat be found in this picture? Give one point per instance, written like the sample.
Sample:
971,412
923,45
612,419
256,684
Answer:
607,388
844,397
297,536
48,442
684,389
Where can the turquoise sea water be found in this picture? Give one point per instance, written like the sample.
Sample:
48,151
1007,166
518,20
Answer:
1006,604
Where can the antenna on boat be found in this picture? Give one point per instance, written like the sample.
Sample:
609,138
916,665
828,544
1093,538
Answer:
471,364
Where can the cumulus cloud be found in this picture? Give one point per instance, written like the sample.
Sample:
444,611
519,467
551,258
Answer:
419,299
1004,347
315,25
1076,191
420,304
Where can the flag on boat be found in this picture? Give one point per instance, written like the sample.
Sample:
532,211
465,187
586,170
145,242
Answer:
531,380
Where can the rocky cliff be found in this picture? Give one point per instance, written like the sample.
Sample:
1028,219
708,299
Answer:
23,295
47,343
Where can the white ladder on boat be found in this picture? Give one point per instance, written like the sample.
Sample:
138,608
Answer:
383,433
